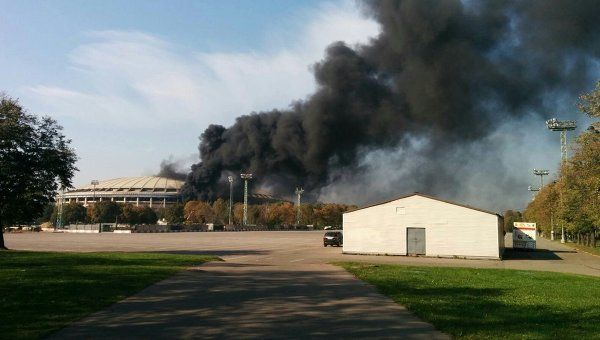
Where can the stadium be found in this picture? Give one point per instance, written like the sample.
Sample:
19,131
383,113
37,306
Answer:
152,191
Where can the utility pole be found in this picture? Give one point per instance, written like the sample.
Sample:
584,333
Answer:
562,126
246,178
299,192
230,179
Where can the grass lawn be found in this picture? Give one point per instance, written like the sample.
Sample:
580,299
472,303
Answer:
492,303
591,250
41,292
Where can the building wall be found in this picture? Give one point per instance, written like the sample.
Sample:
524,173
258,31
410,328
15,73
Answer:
450,230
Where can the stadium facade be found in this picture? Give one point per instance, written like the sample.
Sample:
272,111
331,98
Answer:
152,191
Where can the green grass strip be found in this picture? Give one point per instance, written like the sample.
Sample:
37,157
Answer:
41,292
472,303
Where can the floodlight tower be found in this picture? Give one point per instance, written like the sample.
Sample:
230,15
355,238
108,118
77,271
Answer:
533,190
562,126
59,218
541,173
299,192
94,183
246,178
230,179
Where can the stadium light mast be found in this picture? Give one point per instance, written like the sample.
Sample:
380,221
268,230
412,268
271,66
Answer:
59,218
94,183
533,191
541,173
298,192
246,178
230,179
562,126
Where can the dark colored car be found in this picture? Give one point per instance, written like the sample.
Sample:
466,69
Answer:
333,238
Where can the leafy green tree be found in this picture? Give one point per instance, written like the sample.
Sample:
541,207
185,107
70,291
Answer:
174,214
35,160
148,215
511,216
130,214
47,214
73,213
104,212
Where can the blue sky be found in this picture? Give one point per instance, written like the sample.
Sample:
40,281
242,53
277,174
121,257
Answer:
136,82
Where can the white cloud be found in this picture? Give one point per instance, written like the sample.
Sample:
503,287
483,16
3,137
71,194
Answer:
151,81
130,98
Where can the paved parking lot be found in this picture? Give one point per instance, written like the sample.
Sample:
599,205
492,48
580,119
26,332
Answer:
271,285
290,248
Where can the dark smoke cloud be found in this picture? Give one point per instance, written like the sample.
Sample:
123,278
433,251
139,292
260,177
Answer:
170,168
446,73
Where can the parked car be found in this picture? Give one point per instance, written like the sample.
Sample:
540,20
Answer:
332,238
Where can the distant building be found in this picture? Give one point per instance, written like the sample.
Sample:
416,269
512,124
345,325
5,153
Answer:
418,224
149,191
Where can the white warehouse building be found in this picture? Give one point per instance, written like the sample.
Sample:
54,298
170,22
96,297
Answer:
419,224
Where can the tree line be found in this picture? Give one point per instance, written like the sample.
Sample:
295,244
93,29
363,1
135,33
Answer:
573,200
268,214
200,212
100,212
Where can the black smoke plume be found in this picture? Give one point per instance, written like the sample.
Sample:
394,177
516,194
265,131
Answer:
446,72
171,169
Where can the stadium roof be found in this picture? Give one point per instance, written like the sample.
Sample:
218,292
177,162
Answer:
149,183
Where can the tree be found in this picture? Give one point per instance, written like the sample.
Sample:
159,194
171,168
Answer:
220,211
104,212
47,214
35,160
238,213
148,215
130,214
590,102
198,212
511,216
174,214
331,213
74,212
573,201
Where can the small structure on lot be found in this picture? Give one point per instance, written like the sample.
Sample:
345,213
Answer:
418,224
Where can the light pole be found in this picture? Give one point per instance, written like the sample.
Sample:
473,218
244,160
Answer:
246,178
562,126
298,192
94,183
533,190
59,219
541,173
230,179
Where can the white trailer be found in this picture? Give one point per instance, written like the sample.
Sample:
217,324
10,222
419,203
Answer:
524,235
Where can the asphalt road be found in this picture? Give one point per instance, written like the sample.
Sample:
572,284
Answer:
271,285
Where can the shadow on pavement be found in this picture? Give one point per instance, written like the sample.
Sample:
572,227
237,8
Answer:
537,254
241,252
228,301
